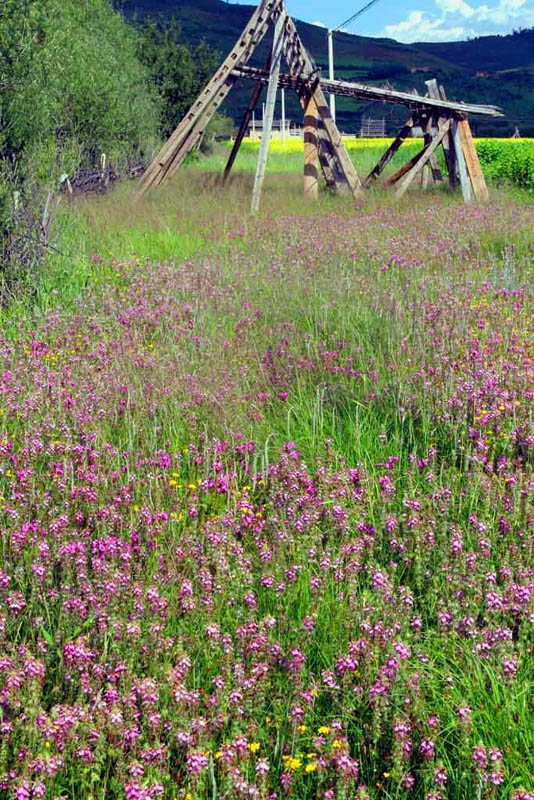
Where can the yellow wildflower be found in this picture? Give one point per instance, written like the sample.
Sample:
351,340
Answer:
337,744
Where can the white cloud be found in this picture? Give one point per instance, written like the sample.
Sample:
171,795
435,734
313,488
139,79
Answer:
319,24
449,21
456,7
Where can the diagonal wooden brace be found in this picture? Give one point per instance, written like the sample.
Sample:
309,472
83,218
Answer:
403,134
423,158
180,142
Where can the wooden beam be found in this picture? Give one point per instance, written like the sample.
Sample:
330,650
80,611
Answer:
210,98
334,178
424,158
299,62
432,171
337,143
438,92
276,60
404,169
365,92
311,140
465,183
404,133
253,102
474,169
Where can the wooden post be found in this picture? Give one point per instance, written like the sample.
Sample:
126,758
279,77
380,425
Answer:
283,109
438,93
272,88
249,114
180,142
311,177
299,63
471,159
432,169
465,183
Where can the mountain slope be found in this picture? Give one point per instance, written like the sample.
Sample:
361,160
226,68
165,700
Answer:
503,63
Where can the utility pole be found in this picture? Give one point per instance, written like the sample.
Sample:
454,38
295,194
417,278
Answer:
331,71
331,32
283,117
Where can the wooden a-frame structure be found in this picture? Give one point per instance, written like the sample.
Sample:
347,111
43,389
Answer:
445,124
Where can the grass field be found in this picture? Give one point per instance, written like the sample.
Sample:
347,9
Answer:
503,160
267,499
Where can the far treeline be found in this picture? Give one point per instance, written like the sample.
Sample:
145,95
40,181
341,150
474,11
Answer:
76,81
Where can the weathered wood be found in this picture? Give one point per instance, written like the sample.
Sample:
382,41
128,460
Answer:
404,169
449,150
365,92
299,62
311,140
424,158
474,169
332,174
337,143
465,183
404,133
253,102
191,142
276,60
432,172
211,97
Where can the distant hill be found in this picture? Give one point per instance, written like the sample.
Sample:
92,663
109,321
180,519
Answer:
493,69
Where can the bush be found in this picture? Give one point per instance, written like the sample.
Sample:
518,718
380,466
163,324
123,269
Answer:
73,87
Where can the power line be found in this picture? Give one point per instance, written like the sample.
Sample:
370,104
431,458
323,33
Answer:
355,16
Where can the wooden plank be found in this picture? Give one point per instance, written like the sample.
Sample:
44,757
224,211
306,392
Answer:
365,92
474,169
465,183
424,158
211,96
448,149
193,139
331,173
253,102
276,60
299,62
405,168
311,140
404,133
431,171
337,143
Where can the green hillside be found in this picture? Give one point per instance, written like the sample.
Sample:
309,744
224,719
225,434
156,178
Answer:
504,63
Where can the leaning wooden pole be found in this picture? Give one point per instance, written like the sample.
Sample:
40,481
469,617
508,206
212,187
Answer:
311,153
276,59
300,63
180,143
471,159
404,133
465,183
253,102
424,157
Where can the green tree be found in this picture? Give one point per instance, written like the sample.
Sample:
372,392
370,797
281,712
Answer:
71,87
178,71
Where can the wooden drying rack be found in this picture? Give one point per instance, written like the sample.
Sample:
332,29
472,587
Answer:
445,123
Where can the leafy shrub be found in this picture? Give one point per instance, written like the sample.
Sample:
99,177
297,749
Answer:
508,159
72,88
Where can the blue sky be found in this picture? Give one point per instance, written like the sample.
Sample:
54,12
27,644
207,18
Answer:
420,20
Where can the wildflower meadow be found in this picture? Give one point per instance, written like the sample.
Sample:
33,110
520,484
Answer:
267,500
